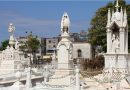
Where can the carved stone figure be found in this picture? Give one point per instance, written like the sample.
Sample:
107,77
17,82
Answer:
70,52
16,45
115,43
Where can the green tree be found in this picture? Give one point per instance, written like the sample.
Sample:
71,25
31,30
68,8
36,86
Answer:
97,31
33,45
4,44
30,46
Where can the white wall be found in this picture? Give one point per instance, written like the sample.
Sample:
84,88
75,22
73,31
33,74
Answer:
84,47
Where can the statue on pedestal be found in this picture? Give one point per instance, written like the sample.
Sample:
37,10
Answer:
16,44
115,43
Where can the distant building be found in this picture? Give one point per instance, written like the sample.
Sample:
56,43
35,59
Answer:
74,37
51,44
79,37
83,36
48,45
24,39
82,50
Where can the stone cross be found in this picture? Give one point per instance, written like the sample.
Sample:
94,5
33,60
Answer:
11,30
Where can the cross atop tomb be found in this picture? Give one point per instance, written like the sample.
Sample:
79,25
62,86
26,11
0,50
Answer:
11,30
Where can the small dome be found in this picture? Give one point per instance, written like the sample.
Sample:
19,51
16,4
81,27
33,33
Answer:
117,16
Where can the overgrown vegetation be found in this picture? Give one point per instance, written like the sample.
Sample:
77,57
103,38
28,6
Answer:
96,63
4,44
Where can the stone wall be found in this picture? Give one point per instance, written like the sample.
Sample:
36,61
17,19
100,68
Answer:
86,51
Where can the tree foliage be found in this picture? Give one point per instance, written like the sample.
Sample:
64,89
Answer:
33,43
97,31
4,44
30,46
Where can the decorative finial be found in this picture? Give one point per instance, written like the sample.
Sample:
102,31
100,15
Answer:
121,9
112,11
108,9
125,10
109,17
112,14
117,5
121,15
11,28
125,15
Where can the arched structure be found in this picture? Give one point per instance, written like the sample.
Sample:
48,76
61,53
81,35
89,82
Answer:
117,56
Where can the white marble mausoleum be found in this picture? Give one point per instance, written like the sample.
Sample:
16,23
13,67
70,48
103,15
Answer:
117,56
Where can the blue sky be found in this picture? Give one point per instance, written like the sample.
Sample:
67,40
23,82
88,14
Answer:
43,17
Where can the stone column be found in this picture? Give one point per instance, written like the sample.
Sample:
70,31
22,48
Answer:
126,41
122,40
109,42
46,74
77,79
28,80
